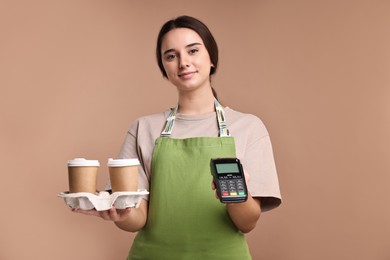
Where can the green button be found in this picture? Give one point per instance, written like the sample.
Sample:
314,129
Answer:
241,193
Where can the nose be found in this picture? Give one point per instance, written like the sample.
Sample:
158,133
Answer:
184,61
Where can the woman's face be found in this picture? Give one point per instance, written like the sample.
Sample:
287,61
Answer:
186,60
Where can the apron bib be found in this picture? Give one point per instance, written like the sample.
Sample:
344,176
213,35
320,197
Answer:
185,220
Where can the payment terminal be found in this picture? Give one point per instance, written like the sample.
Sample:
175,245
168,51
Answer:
229,180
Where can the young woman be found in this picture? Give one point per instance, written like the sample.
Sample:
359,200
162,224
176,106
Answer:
182,219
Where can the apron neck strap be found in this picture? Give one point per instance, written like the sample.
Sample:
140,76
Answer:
223,130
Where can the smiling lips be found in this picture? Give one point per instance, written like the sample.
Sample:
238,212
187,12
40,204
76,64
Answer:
187,75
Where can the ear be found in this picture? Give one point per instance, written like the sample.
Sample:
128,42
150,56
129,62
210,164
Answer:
212,65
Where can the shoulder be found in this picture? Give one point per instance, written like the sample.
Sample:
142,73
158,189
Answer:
239,121
153,121
153,117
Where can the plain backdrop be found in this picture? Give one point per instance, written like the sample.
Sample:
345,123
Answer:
75,74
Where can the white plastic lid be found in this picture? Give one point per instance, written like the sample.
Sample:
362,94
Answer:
82,162
122,162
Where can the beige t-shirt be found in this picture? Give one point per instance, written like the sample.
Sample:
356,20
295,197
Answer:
253,147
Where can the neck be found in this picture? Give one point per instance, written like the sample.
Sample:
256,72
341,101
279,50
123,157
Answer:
196,103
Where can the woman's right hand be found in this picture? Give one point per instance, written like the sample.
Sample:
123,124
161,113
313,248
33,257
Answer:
129,219
112,214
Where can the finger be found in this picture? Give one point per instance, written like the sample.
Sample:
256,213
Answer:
105,214
114,216
247,176
92,212
212,185
123,214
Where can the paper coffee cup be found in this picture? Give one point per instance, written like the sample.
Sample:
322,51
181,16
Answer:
123,174
82,175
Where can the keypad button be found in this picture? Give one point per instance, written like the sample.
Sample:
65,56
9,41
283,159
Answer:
232,186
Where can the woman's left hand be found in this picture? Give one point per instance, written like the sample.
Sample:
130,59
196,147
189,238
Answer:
213,187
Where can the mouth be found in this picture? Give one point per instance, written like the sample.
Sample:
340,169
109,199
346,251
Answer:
187,75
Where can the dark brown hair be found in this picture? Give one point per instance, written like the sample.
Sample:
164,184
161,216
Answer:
195,25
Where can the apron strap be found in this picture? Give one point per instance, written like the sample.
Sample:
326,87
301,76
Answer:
223,130
169,122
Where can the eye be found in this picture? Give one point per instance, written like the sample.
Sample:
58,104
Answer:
193,51
170,57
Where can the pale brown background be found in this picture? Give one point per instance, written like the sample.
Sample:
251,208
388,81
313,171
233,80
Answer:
75,74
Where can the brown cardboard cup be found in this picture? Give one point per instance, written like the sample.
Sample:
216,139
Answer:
82,175
123,174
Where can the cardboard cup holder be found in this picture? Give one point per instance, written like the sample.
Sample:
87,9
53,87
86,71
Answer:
104,200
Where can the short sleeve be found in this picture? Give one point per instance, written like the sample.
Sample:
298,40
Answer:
254,149
263,181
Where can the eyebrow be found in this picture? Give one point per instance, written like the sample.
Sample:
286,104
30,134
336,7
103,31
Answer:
187,46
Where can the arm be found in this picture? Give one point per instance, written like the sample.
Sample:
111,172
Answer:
246,214
136,220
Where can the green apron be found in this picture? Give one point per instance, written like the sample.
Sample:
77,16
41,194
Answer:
185,220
